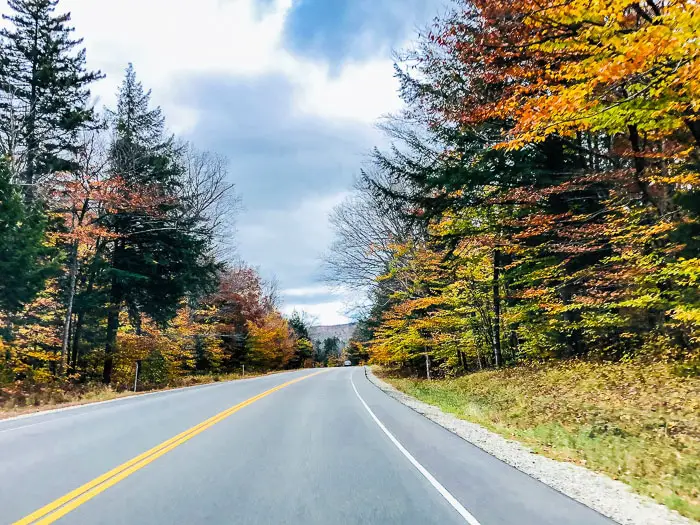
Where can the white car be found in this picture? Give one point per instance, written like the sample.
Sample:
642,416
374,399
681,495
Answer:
348,363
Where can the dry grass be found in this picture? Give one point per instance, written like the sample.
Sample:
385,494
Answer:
637,423
26,399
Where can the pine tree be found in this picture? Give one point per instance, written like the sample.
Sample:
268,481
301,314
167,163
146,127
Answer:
141,153
303,347
159,255
23,262
43,89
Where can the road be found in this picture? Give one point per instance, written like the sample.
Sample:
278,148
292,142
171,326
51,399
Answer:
320,448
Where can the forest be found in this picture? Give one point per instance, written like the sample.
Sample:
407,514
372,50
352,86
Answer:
116,237
540,197
529,240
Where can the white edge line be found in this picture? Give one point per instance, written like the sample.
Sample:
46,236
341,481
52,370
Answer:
427,475
126,398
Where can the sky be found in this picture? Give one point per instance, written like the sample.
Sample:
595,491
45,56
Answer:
288,90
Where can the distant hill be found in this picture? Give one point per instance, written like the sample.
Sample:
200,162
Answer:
342,331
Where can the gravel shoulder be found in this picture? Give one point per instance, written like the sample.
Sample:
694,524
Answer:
611,498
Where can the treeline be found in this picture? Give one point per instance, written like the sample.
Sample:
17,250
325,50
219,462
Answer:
541,195
114,236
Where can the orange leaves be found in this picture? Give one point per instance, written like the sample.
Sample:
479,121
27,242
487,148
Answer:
562,67
84,198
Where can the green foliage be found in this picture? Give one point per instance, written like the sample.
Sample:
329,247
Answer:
356,353
44,91
24,257
158,257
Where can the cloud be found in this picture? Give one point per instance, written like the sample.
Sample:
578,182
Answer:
288,243
309,291
170,41
327,314
278,155
287,92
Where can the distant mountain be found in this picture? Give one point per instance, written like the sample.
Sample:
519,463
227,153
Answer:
342,331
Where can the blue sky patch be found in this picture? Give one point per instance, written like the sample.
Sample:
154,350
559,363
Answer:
341,30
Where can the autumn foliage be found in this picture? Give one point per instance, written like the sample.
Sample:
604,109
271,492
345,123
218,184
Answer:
550,153
115,238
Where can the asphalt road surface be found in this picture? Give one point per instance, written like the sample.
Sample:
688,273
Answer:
295,448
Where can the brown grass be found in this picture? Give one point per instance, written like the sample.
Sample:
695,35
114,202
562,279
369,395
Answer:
21,399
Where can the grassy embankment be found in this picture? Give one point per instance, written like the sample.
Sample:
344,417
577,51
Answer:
18,400
636,423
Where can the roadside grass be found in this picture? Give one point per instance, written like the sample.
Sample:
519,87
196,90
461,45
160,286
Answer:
637,423
19,399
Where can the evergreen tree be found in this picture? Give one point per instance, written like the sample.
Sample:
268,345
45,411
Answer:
160,254
23,261
303,347
141,153
299,325
43,90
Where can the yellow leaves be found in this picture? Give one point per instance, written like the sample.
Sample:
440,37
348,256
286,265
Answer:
600,66
170,351
271,342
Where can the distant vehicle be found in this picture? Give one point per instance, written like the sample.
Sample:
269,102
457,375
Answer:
348,363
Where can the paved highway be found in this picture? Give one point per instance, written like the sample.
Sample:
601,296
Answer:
295,448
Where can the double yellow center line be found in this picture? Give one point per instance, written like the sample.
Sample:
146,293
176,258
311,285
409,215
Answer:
65,504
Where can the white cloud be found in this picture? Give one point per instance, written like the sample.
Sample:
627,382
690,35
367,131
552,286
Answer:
290,236
363,91
327,314
308,291
169,40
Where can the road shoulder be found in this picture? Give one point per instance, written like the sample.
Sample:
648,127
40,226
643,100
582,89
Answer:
607,496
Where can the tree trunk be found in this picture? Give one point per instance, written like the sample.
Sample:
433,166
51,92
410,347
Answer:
73,271
115,304
80,322
574,339
462,359
76,342
639,166
112,329
497,307
427,366
694,127
32,142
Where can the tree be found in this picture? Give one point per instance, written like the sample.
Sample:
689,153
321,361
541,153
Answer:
24,258
303,347
238,303
271,342
43,90
549,151
208,198
159,255
365,226
356,353
331,347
